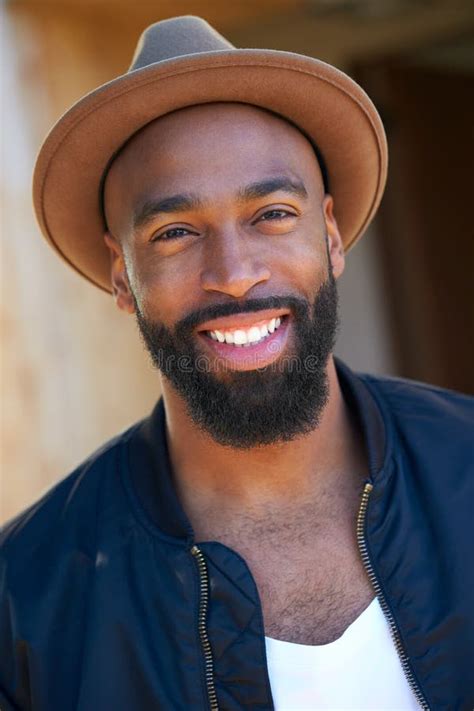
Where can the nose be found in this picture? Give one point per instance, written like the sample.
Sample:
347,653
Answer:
232,266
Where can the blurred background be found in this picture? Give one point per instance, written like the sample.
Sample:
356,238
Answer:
73,370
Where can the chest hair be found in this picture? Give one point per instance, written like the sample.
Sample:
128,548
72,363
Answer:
307,567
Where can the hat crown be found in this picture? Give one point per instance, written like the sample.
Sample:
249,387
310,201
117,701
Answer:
177,37
182,62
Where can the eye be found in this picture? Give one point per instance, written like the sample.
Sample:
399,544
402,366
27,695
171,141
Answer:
172,233
275,215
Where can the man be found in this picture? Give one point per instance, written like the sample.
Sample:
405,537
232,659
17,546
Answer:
280,533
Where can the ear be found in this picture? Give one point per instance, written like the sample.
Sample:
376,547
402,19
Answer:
335,245
119,277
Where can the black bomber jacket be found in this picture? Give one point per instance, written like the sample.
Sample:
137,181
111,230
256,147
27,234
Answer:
108,603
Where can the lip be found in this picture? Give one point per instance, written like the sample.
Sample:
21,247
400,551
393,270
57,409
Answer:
253,356
243,321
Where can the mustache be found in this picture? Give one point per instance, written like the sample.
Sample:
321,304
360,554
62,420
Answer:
299,308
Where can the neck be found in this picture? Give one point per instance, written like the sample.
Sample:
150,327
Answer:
211,476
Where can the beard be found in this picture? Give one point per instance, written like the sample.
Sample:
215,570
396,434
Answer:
264,406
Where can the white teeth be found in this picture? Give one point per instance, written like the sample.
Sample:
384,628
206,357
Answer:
239,337
253,334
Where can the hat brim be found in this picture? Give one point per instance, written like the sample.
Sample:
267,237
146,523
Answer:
325,103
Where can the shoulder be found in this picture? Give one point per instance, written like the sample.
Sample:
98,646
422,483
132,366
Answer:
66,513
433,421
49,554
410,398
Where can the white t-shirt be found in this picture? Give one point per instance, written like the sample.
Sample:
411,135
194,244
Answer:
360,670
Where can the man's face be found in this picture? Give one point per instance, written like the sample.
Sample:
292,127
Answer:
225,247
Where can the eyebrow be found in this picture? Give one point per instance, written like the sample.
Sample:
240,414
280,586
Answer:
188,201
175,203
262,188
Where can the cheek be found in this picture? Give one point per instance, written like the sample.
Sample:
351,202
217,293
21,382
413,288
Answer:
304,262
165,288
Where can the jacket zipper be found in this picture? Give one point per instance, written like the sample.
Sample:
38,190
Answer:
202,618
404,660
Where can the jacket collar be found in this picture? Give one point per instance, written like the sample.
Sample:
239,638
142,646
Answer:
150,477
362,403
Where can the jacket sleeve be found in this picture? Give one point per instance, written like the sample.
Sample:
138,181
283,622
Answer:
14,684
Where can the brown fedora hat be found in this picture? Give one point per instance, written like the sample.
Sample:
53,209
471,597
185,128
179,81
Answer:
181,62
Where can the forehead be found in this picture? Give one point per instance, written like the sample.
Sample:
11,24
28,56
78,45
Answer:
211,149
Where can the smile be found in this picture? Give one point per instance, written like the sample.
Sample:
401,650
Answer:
248,343
240,337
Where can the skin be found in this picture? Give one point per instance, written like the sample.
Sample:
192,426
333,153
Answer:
227,251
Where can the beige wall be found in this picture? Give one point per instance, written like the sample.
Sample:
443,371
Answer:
73,370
